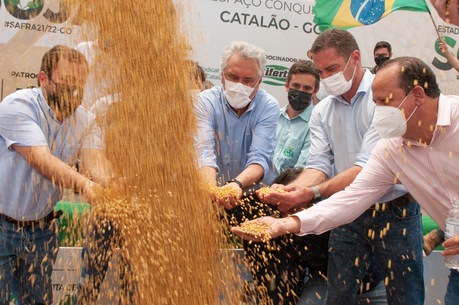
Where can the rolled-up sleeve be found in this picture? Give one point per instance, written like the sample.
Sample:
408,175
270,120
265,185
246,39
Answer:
369,141
19,124
264,138
204,139
320,154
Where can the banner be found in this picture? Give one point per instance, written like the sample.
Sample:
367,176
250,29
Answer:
29,29
284,28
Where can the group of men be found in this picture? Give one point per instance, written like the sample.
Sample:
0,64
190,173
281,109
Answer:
341,140
369,210
375,238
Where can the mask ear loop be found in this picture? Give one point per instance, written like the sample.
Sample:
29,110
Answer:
414,110
406,120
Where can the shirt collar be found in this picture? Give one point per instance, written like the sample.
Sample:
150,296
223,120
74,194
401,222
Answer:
364,87
305,115
44,104
444,111
443,119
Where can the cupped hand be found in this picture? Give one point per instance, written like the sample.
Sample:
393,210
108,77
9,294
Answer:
92,191
267,228
288,198
228,196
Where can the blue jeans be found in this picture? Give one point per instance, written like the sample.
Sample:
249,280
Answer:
101,241
316,286
395,237
452,292
27,256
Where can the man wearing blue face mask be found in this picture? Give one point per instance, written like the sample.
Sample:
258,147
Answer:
342,136
235,139
292,133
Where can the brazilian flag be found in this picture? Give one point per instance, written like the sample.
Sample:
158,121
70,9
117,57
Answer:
350,13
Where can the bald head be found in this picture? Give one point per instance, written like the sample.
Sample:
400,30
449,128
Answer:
409,72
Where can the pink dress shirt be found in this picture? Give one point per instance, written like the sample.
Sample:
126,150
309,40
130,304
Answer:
429,172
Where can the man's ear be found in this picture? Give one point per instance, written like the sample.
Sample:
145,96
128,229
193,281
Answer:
42,78
419,95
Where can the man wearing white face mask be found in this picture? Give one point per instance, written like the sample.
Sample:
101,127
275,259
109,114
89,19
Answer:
342,136
421,152
236,136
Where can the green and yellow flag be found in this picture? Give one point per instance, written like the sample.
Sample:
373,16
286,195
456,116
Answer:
350,13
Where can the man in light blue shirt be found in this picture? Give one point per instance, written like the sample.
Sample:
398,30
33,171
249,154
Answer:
236,138
237,123
292,133
42,133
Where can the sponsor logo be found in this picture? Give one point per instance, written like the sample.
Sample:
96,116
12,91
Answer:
27,10
275,75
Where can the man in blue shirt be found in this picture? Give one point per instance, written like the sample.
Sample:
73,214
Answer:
237,134
292,133
42,133
237,124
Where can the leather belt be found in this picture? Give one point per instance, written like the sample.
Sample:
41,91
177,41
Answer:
29,223
397,202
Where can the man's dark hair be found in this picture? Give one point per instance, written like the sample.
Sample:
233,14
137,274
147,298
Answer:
288,175
304,67
342,41
54,55
414,72
381,45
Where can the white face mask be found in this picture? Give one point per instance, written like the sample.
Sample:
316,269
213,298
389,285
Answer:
389,121
237,95
322,93
337,83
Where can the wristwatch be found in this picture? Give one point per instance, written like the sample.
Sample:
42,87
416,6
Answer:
316,191
235,181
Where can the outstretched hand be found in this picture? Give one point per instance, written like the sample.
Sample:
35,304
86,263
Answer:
287,197
229,196
92,191
265,228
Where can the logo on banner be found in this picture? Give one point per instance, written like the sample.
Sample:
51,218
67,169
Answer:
442,63
275,75
25,10
29,9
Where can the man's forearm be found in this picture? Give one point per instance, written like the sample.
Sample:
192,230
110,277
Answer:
251,175
339,182
310,177
96,166
209,175
52,168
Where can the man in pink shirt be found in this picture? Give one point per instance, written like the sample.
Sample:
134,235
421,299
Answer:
419,149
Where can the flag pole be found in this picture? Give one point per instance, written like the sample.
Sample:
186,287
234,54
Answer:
435,26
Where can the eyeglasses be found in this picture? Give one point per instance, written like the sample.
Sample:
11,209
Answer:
71,91
250,82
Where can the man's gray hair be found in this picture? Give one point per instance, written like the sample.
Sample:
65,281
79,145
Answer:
246,50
